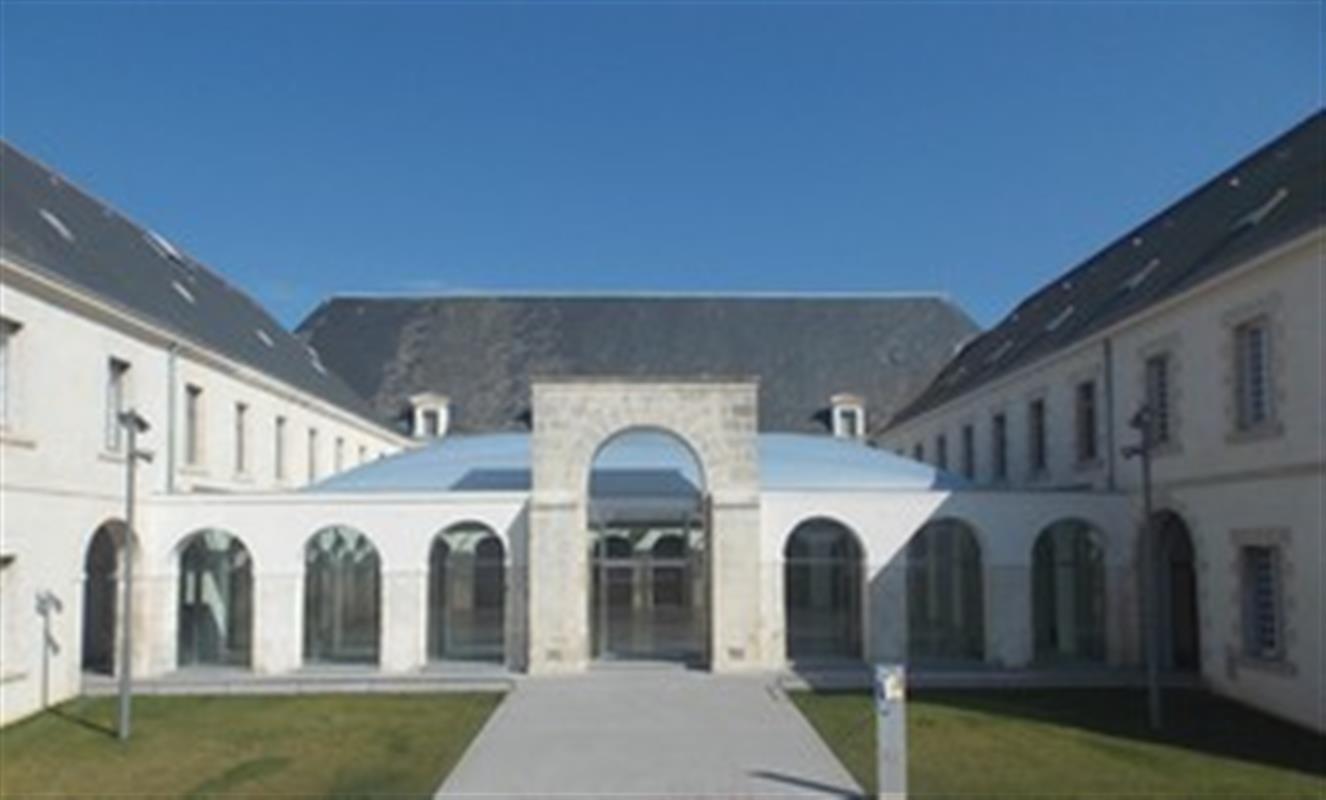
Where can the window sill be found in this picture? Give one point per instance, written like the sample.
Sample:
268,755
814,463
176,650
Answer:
1270,666
1260,433
194,470
1088,464
111,457
15,439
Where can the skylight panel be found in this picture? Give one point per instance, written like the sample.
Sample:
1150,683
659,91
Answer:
56,224
263,337
1059,319
1261,212
1000,352
315,360
163,247
182,292
1135,280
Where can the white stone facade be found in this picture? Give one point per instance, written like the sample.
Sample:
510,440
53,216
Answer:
1221,481
60,477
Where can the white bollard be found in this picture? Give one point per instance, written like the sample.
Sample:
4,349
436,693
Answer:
891,731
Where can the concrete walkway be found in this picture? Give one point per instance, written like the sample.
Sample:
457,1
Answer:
648,732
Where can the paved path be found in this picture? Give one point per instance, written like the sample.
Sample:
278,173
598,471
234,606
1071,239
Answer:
640,733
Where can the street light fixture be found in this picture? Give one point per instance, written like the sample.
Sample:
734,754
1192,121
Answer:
133,425
1142,423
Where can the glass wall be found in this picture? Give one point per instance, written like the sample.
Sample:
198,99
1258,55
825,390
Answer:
342,597
215,601
467,594
945,594
822,585
1068,593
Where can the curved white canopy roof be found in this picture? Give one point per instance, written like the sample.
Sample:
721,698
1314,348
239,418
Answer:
640,465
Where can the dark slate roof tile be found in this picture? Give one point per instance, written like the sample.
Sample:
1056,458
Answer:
1274,195
482,350
50,225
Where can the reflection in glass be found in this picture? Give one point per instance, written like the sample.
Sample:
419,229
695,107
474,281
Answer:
467,595
945,594
822,591
1068,593
342,590
215,601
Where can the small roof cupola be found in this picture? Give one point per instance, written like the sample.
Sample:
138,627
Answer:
847,413
430,414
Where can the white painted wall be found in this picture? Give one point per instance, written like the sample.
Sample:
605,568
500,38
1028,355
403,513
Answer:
58,482
1218,480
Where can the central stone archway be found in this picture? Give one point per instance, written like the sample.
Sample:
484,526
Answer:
573,418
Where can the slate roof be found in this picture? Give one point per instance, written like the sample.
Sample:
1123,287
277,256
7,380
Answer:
1271,197
54,228
481,351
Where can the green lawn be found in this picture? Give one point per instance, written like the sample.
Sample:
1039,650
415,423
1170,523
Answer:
315,746
1070,743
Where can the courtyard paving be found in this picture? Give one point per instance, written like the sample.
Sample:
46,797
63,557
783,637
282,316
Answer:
648,732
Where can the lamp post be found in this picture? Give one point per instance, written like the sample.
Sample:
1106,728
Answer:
133,425
1142,423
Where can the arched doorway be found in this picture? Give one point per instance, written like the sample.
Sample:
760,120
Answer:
342,597
1068,593
101,598
467,594
945,594
215,620
822,591
648,547
1178,593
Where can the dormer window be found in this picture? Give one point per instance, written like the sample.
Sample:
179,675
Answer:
849,416
430,415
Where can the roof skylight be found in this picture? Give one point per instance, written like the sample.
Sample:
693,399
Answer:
263,337
1261,212
1059,319
1000,352
1135,280
162,246
182,292
56,224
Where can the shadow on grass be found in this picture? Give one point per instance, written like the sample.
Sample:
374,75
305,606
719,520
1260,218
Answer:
1194,720
77,715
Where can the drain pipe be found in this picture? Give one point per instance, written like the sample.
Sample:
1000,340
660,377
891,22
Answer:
172,356
1107,347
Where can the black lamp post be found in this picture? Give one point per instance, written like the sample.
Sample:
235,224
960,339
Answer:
1142,423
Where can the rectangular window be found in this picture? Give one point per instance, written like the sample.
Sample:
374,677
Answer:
1252,347
338,455
969,452
1157,397
279,445
1037,456
999,447
432,423
8,331
241,438
193,420
941,451
918,452
117,402
312,454
363,454
1086,422
1262,637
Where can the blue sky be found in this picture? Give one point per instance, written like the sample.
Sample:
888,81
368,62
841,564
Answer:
974,149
